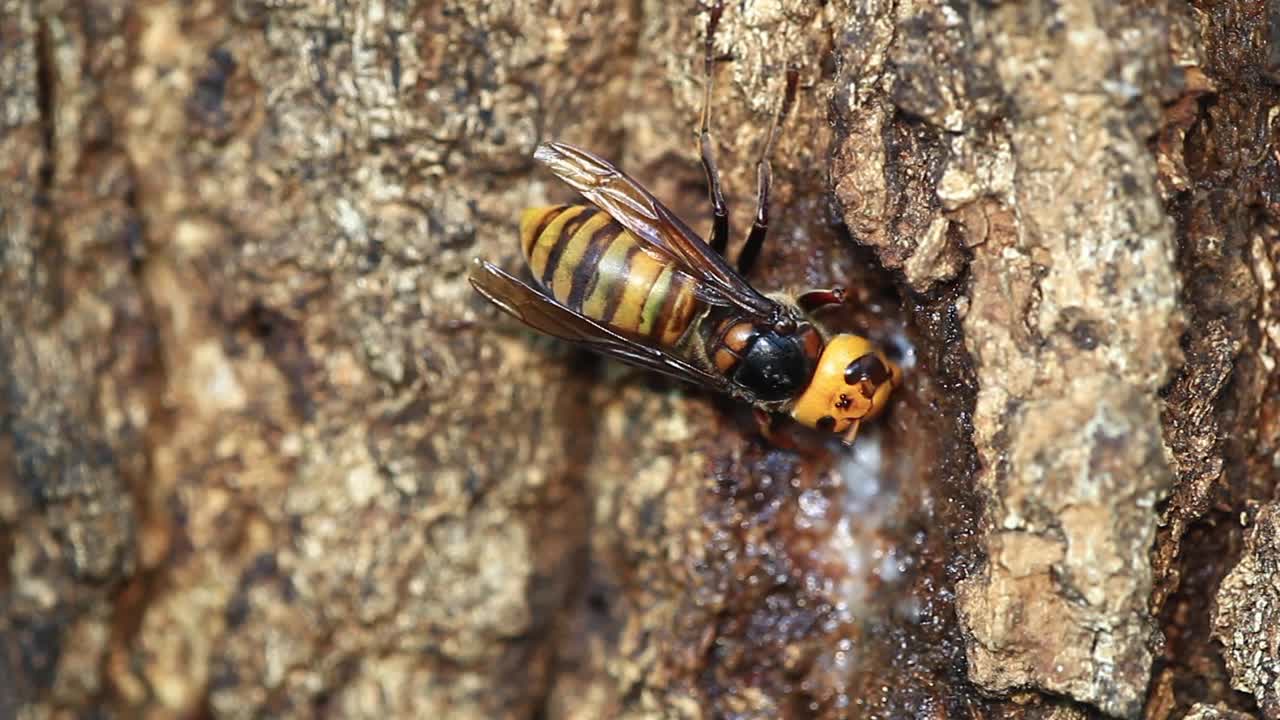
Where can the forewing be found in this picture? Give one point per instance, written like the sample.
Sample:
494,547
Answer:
658,228
543,313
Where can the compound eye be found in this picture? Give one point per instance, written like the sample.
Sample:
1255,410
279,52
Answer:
868,367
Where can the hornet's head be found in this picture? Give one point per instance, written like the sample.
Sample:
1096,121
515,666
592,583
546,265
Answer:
852,383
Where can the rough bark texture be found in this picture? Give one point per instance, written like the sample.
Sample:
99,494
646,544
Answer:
1070,313
264,453
1247,613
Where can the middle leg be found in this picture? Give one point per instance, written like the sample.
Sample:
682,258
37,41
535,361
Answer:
720,213
764,178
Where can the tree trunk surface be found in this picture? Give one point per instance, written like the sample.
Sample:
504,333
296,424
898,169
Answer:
263,451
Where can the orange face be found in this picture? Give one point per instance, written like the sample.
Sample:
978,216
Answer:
852,383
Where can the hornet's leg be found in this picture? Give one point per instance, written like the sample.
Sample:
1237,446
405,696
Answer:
764,176
851,434
720,221
776,432
811,300
771,433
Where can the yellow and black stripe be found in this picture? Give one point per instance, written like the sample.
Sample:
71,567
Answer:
592,265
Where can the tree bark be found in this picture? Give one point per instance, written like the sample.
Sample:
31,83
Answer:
264,452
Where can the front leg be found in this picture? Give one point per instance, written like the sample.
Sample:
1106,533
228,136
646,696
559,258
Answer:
766,423
811,300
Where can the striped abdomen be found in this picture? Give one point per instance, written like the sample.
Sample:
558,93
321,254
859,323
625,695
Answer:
593,266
